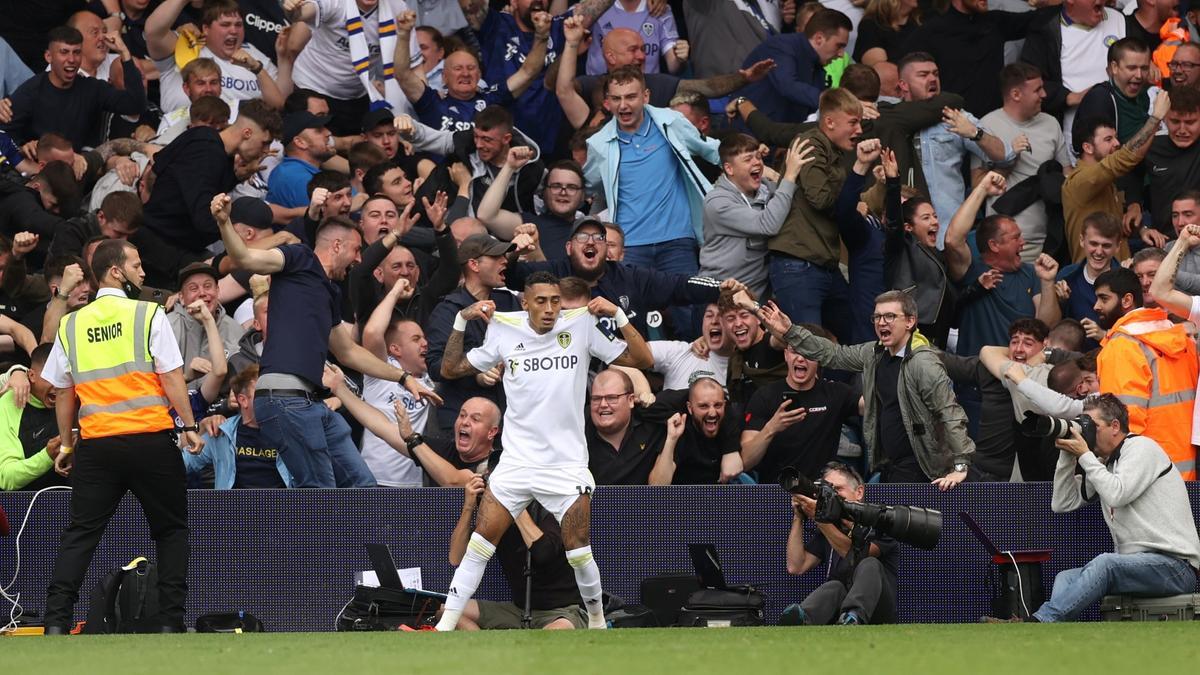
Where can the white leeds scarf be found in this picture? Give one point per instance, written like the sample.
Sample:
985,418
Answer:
360,53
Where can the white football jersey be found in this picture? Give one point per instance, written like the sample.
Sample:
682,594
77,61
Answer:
545,382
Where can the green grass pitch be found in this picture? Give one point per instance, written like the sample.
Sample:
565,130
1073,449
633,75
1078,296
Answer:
1092,648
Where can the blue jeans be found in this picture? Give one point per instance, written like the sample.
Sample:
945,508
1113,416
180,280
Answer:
809,293
314,442
677,256
1149,574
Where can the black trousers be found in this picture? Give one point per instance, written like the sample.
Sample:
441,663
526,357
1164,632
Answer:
105,469
871,595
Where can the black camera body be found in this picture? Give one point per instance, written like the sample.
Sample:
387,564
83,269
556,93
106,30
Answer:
1045,426
912,525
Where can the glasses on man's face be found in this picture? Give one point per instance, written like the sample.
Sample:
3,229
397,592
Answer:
885,319
611,399
585,237
564,187
1183,65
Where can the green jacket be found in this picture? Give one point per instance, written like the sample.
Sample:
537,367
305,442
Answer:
17,470
935,422
809,231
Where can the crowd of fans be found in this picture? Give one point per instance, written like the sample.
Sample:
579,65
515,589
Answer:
959,215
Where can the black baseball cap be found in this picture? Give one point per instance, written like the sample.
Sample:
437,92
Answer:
587,220
478,245
376,117
251,211
300,120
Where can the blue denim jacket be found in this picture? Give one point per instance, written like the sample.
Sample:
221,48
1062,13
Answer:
219,453
942,157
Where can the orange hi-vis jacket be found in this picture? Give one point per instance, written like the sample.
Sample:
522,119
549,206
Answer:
107,343
1150,364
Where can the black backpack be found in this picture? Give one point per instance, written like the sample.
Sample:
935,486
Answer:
374,608
125,600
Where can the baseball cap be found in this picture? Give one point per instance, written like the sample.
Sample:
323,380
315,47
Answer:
198,268
251,211
376,117
298,121
478,245
587,220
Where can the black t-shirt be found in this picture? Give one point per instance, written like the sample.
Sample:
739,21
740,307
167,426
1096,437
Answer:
255,462
445,448
893,438
758,366
553,233
810,443
554,583
632,462
1134,29
839,568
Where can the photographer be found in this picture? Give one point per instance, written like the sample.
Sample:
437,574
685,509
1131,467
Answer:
1145,504
861,585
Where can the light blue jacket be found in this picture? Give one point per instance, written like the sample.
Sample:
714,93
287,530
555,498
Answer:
219,454
604,158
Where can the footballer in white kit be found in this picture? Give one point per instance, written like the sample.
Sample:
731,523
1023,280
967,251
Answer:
545,352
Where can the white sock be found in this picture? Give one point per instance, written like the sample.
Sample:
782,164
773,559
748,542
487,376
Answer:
466,580
587,576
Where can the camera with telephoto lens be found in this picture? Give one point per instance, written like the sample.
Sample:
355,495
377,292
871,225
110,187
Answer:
912,525
1045,426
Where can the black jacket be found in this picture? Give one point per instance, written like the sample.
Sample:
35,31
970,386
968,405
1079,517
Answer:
895,127
368,292
188,174
639,291
1043,48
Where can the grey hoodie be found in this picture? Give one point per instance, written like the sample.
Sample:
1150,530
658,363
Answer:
192,339
736,230
1143,498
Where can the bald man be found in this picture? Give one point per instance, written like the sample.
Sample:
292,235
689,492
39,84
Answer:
704,432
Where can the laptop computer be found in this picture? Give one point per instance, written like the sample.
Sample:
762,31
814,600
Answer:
386,571
708,565
999,556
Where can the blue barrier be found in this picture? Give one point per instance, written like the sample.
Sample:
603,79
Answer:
289,556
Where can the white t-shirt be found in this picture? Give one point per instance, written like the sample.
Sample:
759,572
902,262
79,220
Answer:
680,367
545,382
1085,50
237,83
391,469
325,64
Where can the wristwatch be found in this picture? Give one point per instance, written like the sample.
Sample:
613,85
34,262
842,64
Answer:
961,466
413,441
979,132
403,379
190,427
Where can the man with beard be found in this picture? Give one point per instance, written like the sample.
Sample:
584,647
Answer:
703,443
797,421
623,444
307,144
304,306
644,294
1103,161
1185,66
562,196
1147,361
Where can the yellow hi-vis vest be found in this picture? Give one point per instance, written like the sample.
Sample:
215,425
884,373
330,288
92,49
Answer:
108,345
